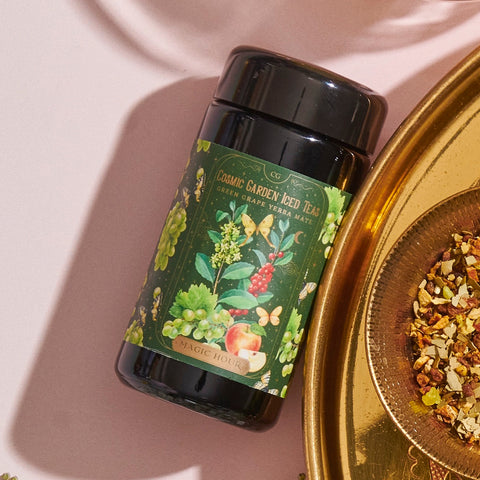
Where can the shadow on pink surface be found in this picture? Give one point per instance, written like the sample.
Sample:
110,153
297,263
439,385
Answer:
75,418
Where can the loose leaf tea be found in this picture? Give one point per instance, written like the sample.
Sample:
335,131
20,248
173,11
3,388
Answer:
446,337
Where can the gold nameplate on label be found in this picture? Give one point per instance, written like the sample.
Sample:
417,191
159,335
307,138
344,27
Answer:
211,355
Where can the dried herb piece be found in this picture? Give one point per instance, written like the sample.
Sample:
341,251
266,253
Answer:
445,334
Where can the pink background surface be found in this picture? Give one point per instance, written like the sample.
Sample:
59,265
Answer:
100,102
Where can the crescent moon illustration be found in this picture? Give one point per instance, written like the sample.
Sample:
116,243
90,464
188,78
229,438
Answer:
297,236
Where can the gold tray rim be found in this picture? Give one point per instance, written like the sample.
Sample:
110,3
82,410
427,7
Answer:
361,232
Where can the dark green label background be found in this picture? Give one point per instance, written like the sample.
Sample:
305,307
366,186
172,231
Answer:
218,185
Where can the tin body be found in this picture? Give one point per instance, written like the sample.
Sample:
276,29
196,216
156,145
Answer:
290,114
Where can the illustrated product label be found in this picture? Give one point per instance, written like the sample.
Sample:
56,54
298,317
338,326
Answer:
236,267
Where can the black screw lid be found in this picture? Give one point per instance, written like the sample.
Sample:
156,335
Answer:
304,95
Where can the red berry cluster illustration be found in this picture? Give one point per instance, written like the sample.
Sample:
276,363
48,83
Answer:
261,279
272,256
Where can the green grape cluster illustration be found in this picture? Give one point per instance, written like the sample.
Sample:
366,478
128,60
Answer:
330,228
336,206
157,300
175,224
6,476
291,339
134,333
197,314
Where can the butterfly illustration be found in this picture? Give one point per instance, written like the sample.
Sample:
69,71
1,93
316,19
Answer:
262,384
263,227
266,317
307,288
199,187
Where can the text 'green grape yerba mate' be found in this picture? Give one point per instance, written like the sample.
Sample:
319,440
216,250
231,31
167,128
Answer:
224,307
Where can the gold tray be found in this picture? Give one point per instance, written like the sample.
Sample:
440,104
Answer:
434,154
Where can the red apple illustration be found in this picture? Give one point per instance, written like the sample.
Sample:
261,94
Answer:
239,336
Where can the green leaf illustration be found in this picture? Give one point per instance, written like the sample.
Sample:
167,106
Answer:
264,297
336,201
219,216
238,270
238,213
244,283
287,242
198,296
293,322
216,237
261,257
176,310
285,259
202,264
238,299
283,225
258,329
274,239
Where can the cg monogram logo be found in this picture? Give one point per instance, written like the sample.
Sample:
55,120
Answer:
276,175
